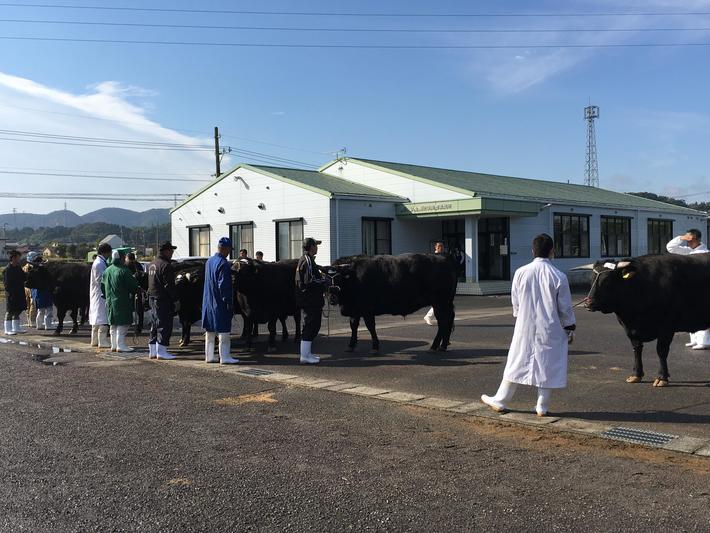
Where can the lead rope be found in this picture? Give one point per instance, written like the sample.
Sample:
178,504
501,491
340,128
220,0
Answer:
594,283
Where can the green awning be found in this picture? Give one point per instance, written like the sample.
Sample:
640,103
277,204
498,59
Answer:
470,206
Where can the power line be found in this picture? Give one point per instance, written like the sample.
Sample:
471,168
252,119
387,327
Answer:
101,139
348,30
72,140
350,14
224,136
358,46
74,170
94,145
96,176
64,196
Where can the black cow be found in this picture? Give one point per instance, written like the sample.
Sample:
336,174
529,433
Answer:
365,287
653,297
189,283
69,283
265,293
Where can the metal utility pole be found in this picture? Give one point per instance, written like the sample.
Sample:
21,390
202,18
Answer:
217,154
591,171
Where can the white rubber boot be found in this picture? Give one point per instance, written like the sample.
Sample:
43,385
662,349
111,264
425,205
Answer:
162,353
152,351
225,346
16,327
692,341
307,358
210,337
103,336
48,315
499,402
113,332
702,340
429,318
39,320
8,328
121,345
94,336
543,401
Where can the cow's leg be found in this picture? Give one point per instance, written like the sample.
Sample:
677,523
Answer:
297,321
185,328
245,328
637,376
440,326
447,327
663,345
271,343
370,324
284,329
248,328
354,325
74,314
61,313
83,315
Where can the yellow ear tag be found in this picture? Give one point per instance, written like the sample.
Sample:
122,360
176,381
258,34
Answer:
627,275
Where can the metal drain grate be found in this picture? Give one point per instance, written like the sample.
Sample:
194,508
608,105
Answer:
254,372
638,436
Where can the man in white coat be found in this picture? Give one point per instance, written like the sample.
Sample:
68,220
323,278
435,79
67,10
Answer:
542,305
690,244
98,317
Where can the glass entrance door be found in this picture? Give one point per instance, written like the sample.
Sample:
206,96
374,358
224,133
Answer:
493,249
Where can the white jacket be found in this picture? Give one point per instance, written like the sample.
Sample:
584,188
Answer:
97,304
680,247
542,304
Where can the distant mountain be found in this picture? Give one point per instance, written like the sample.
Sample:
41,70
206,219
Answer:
126,217
69,219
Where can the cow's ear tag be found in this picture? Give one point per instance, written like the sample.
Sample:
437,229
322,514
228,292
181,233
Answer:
628,275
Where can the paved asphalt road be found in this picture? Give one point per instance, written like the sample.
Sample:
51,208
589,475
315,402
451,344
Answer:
97,445
600,360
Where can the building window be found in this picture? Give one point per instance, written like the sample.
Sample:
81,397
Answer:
200,241
289,239
660,232
571,235
376,236
242,236
616,237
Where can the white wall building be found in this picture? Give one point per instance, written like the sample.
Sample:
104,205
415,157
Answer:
360,206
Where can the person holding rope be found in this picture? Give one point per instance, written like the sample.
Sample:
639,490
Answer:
310,287
544,326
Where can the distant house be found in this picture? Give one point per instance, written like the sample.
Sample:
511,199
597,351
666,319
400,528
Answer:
114,240
48,252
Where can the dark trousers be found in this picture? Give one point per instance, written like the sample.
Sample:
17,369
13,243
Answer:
311,322
161,317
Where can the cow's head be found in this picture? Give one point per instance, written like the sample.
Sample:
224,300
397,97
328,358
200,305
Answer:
611,283
245,274
341,277
39,277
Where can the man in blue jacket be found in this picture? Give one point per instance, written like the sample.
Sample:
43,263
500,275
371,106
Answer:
217,299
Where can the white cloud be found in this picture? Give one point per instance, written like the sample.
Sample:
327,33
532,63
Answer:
108,110
516,70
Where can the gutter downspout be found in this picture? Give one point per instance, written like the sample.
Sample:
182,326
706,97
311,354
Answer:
337,229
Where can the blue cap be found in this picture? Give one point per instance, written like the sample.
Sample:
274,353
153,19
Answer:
225,242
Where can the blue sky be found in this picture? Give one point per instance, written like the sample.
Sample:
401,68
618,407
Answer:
506,111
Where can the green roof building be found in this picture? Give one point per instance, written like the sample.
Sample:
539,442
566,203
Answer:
365,206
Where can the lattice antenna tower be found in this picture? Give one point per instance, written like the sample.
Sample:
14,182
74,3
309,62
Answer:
591,171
